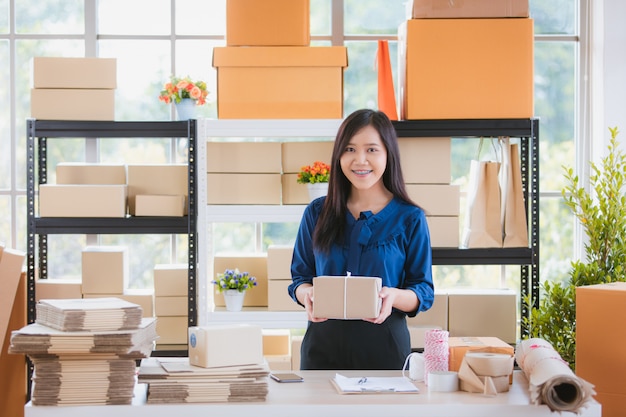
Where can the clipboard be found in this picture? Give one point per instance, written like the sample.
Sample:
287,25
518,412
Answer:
373,385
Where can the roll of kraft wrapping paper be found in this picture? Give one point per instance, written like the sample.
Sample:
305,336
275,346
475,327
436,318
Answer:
550,379
487,373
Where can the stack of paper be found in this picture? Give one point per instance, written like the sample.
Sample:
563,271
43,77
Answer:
174,380
89,314
90,366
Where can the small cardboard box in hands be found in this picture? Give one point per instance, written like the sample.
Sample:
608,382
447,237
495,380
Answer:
346,297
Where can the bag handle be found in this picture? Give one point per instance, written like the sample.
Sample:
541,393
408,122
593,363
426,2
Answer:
493,145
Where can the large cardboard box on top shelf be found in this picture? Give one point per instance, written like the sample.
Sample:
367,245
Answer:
476,69
286,82
423,9
426,160
72,104
267,23
255,265
600,342
75,73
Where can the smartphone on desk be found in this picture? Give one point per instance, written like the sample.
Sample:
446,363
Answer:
286,377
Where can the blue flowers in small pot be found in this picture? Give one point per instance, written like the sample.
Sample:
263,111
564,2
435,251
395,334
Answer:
232,279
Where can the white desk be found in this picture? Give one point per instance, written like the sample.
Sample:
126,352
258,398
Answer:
316,397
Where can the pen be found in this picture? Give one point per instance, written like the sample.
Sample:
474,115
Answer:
362,380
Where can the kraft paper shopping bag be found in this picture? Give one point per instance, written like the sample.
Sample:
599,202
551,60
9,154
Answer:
513,208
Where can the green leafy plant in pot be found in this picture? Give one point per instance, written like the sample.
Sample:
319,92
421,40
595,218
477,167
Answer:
602,214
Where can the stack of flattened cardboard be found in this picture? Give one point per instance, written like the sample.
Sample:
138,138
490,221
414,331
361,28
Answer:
89,314
174,380
85,366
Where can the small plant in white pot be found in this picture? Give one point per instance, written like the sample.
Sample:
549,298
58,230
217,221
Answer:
234,284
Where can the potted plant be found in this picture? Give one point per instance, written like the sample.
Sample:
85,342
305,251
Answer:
316,178
234,285
185,94
602,213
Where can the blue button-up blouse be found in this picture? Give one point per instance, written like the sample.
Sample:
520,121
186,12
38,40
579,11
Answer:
393,244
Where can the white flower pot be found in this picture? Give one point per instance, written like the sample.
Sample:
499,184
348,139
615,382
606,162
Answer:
186,109
318,189
234,300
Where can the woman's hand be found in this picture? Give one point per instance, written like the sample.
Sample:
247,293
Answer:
305,294
404,300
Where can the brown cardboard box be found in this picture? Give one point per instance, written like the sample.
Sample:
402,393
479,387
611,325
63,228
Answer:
13,380
11,264
72,104
295,155
105,269
359,296
436,199
296,344
426,160
58,289
79,73
171,306
92,174
171,280
225,345
255,265
458,346
143,297
159,205
82,200
420,9
600,343
243,157
279,262
293,192
278,298
471,313
243,189
159,179
267,23
276,342
444,231
417,334
290,82
467,81
436,316
172,330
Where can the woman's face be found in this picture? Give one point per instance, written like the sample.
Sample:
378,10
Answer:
364,158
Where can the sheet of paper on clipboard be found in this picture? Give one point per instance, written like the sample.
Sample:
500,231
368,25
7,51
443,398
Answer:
373,385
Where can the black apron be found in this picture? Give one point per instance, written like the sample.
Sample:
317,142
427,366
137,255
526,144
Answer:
356,344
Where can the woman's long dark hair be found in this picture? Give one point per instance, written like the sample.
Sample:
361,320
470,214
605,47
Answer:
331,223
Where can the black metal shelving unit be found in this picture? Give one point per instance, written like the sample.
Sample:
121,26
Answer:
527,130
40,131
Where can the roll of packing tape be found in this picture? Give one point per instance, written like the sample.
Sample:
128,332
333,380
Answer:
443,381
490,364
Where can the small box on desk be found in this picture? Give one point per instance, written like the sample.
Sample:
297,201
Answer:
346,297
225,345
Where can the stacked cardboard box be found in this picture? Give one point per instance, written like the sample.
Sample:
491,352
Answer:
466,60
12,317
279,278
269,71
426,166
243,173
158,189
85,190
73,88
277,349
170,303
105,274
